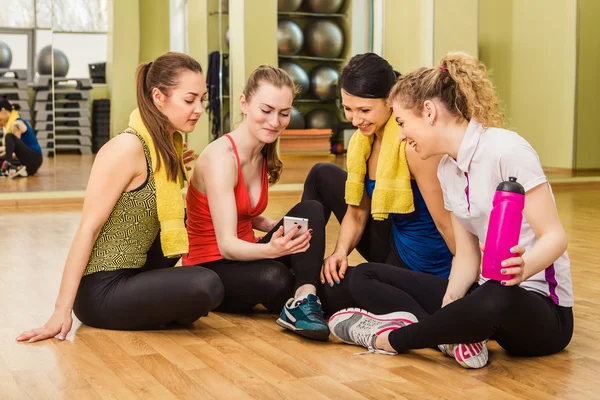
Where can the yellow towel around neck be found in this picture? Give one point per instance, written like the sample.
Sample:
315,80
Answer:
393,193
169,199
14,114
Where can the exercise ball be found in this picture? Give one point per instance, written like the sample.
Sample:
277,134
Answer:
321,119
5,55
323,82
226,124
288,5
324,6
289,37
296,120
298,75
44,62
324,38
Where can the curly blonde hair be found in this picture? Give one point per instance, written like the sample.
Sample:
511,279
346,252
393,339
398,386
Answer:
460,82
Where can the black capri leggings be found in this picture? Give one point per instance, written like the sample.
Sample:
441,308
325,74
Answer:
150,297
26,156
271,282
524,323
326,183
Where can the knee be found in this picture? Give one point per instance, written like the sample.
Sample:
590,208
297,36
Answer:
495,299
311,209
206,288
317,172
277,279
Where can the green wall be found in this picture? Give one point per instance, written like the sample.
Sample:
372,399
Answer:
448,35
587,150
154,29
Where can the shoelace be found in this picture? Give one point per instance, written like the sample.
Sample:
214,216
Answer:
311,309
364,337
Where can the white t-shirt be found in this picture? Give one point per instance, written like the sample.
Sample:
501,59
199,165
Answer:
488,156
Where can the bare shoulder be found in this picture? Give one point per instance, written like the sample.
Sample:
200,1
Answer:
124,148
217,152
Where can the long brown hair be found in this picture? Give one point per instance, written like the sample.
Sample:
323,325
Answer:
163,74
460,82
278,78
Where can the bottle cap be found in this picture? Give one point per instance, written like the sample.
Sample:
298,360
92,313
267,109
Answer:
511,186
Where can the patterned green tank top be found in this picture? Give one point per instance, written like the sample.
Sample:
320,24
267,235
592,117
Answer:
130,229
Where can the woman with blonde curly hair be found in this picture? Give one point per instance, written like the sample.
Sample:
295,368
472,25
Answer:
453,109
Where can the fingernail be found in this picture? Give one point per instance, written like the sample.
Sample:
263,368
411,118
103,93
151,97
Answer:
331,284
503,263
503,271
337,282
61,337
503,283
342,275
513,250
322,281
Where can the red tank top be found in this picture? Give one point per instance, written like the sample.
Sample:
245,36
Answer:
200,228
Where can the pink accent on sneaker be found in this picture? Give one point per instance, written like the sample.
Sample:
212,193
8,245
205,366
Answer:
372,316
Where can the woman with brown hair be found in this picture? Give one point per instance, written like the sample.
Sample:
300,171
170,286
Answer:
227,195
119,273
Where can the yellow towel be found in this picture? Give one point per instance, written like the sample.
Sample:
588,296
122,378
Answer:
14,114
169,200
393,193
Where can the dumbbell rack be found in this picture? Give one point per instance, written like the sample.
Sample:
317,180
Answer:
64,113
13,86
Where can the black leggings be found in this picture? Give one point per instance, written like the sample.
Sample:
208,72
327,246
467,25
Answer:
271,282
522,322
326,183
150,297
26,156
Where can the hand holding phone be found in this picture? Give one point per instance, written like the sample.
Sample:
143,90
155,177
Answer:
290,223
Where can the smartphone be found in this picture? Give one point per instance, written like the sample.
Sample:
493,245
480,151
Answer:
290,223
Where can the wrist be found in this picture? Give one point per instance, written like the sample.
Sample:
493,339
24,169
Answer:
62,309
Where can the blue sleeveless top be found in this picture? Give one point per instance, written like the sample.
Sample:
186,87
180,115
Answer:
419,243
29,138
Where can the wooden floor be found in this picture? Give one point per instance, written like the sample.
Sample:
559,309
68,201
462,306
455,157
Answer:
236,356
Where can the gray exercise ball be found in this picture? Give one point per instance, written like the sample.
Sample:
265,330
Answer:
226,123
323,82
289,37
296,120
324,6
5,55
298,75
44,62
288,5
324,38
321,119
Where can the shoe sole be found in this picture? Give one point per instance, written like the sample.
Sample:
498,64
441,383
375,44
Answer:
321,336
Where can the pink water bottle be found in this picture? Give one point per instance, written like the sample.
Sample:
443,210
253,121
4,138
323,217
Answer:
504,228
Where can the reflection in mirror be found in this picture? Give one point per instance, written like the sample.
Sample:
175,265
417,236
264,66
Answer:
27,136
53,54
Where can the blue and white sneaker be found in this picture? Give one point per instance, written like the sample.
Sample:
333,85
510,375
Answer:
305,317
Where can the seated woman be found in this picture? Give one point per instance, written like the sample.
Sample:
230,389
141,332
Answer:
119,273
452,109
417,234
225,201
20,153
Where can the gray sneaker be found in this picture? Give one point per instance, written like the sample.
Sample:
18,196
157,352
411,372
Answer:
360,327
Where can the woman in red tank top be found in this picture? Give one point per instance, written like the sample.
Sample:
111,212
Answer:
228,194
